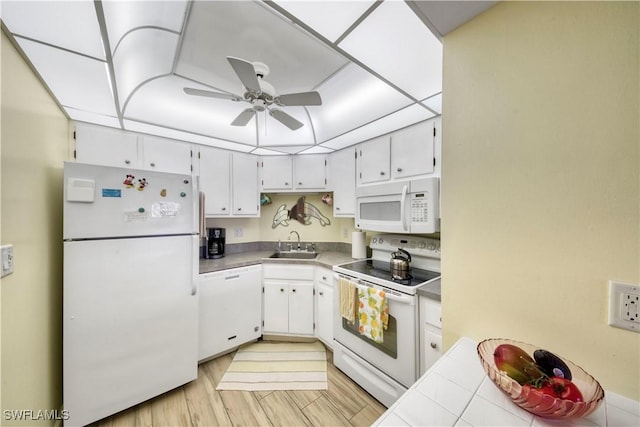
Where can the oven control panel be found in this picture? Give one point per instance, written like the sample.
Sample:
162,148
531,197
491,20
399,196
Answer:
420,246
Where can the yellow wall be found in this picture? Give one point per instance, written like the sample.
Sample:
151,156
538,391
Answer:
34,146
540,181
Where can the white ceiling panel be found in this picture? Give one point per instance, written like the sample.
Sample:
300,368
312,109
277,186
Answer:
273,133
403,118
353,98
329,18
71,25
163,102
317,149
142,55
254,32
162,131
78,81
124,16
397,45
434,103
89,117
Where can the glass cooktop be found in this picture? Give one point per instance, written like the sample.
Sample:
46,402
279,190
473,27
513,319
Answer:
382,270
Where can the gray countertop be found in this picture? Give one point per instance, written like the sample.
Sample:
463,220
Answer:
325,259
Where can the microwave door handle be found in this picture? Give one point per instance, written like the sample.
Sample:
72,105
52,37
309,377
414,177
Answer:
403,201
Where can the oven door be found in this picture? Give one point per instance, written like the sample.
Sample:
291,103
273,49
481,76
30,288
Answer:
397,354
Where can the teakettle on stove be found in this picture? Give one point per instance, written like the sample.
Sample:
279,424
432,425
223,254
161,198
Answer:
400,264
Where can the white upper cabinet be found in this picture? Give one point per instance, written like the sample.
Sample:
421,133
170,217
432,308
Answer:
374,160
277,173
294,172
412,150
106,146
404,154
245,192
229,181
114,147
215,181
165,155
343,182
310,171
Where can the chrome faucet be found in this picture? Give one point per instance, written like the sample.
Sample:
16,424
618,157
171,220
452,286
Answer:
296,235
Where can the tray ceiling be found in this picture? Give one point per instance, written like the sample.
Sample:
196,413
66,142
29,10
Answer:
124,64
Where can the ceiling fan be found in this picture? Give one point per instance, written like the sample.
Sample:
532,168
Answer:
260,94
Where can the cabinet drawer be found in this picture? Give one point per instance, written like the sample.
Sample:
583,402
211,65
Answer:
287,271
431,311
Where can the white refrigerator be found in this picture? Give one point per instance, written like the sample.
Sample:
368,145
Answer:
130,319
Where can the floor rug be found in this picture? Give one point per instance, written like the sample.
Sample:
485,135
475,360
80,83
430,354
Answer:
277,366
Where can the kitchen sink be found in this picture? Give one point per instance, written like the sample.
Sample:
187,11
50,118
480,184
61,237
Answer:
294,255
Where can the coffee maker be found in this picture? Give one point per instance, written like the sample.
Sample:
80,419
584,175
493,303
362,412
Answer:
215,242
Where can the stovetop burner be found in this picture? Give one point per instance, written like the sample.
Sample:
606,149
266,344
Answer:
381,270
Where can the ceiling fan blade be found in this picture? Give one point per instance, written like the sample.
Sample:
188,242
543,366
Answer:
246,73
299,99
285,119
243,118
210,94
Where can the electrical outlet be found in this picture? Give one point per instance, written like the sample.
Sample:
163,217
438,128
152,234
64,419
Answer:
624,306
7,260
238,232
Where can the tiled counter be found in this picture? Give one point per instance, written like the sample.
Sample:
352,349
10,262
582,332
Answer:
457,392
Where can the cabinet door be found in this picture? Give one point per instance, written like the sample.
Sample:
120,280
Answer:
245,194
277,173
412,151
374,160
166,155
301,308
230,310
276,306
310,172
324,312
106,146
343,177
215,181
432,349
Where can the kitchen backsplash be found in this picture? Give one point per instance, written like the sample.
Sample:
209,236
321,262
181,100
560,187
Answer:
266,229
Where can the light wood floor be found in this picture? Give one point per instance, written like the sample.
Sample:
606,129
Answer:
199,404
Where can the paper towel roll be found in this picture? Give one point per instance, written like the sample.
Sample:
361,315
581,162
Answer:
358,245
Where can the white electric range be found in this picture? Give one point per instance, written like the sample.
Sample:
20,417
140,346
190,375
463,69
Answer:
387,369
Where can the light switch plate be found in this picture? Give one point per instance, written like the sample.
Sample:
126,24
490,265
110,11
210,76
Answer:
624,305
7,260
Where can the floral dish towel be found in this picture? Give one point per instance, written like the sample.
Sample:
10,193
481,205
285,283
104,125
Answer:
373,313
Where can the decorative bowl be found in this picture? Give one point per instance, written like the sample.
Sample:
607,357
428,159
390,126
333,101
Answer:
533,400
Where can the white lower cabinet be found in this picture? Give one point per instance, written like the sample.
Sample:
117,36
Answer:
430,332
324,305
230,311
288,299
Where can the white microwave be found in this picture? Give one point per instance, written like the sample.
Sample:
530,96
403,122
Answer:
399,207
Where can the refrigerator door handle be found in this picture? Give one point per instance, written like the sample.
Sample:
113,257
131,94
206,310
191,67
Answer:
195,260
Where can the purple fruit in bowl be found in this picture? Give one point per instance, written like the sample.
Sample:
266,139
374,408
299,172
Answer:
551,364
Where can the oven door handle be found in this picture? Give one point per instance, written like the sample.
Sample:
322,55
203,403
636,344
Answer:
403,299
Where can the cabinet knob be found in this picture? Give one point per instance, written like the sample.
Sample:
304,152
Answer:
281,290
293,290
324,278
434,345
239,209
127,162
382,173
321,293
337,208
399,169
153,165
299,183
286,183
224,209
